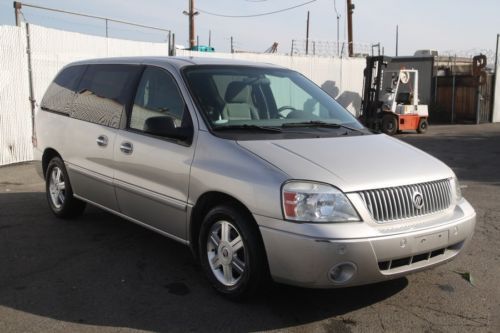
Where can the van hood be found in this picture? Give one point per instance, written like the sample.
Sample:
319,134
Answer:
351,163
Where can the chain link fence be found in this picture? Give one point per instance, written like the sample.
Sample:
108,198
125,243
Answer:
470,53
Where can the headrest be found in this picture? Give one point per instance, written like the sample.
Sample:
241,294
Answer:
237,92
159,125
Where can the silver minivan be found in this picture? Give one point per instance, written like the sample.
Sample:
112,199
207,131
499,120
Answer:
253,166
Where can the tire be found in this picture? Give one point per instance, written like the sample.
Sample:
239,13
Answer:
389,124
59,193
236,269
423,126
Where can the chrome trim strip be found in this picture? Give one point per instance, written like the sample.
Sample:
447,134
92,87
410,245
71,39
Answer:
163,199
161,232
177,204
89,173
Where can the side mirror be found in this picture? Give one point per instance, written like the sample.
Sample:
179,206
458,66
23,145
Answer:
164,126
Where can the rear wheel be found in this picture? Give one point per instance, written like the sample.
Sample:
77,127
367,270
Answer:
423,125
231,253
59,192
389,124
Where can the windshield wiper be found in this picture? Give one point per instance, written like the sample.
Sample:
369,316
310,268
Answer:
247,127
316,123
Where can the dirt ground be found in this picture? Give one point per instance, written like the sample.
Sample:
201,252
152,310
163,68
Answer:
102,273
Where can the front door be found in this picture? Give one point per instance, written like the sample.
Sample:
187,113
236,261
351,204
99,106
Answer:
151,163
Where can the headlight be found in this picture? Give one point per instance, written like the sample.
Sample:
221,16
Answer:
313,202
458,191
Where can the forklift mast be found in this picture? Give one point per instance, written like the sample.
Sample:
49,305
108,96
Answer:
371,88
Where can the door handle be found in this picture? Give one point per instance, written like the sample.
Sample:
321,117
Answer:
102,140
126,148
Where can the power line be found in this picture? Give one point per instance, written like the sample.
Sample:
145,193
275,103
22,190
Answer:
335,7
255,15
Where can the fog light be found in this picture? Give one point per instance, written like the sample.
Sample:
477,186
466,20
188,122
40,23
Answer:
341,273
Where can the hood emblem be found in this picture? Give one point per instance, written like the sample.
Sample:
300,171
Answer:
418,200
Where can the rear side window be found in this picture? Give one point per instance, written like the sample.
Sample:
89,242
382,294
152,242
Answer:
104,92
61,91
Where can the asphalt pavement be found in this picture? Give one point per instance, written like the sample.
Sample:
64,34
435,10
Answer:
102,273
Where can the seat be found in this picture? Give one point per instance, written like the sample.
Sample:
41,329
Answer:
208,95
404,98
238,101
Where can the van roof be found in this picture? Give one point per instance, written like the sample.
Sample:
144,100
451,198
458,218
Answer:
177,62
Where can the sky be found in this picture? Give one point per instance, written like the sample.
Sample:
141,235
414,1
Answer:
444,25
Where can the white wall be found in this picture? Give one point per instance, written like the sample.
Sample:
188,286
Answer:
496,104
15,116
51,49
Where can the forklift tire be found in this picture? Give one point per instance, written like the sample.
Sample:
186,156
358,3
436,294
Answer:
423,125
389,124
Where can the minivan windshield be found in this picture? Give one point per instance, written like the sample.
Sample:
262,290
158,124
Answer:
270,100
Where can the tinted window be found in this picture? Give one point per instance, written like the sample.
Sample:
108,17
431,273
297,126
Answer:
104,92
61,91
158,107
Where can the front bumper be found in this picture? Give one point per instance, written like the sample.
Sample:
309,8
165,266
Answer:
300,254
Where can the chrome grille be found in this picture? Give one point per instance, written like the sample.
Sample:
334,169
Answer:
396,203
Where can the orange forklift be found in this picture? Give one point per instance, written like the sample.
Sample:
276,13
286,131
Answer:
390,99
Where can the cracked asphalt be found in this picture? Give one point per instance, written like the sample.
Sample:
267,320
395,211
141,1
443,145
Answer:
102,273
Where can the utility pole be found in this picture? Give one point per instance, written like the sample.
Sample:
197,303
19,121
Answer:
350,10
338,34
232,45
307,34
338,27
17,11
209,38
496,55
170,43
191,14
173,44
397,39
197,41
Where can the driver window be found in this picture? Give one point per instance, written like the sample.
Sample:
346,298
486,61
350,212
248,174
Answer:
158,104
289,97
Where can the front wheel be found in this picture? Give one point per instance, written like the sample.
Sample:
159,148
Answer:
423,125
59,192
389,124
231,253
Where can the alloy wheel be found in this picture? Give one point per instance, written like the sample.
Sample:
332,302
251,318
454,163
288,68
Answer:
226,253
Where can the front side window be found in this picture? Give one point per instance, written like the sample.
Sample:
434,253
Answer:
159,108
103,93
243,98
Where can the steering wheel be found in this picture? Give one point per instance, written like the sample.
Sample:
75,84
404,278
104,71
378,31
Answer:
284,108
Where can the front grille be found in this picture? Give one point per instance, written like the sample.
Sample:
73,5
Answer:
396,203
